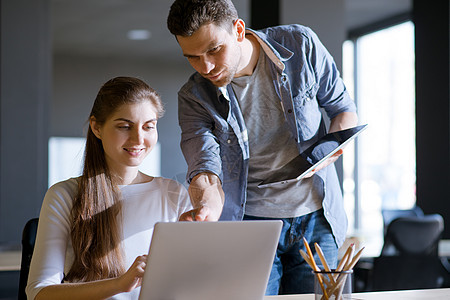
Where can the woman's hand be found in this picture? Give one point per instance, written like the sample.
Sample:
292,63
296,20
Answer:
133,276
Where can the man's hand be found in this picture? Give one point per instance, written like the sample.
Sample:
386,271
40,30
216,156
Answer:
341,121
207,198
330,160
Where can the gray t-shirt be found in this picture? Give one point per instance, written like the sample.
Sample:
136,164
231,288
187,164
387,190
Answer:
271,146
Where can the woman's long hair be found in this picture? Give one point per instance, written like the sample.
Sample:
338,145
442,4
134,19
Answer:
96,231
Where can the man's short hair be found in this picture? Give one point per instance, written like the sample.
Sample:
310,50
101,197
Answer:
187,16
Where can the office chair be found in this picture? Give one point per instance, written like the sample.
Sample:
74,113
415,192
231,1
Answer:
413,236
28,240
391,214
409,258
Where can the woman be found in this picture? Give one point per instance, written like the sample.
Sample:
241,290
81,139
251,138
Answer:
95,230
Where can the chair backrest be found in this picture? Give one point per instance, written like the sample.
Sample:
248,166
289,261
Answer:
413,236
28,240
391,214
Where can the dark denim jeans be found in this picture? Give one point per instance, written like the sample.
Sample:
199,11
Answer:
290,273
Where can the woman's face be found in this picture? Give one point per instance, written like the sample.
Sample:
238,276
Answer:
128,135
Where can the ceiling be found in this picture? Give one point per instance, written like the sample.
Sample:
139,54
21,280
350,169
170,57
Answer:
99,27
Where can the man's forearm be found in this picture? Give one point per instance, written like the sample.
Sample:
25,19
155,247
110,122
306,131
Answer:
204,188
343,121
206,191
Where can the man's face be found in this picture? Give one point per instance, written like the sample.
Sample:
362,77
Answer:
213,52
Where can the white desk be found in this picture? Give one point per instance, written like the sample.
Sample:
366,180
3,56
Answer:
10,260
397,295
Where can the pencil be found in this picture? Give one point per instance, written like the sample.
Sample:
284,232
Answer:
324,262
306,258
349,258
345,258
354,260
315,267
311,256
351,262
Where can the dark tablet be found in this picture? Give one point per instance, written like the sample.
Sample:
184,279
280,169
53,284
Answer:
312,157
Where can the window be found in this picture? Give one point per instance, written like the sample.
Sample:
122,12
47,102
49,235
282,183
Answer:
379,172
66,156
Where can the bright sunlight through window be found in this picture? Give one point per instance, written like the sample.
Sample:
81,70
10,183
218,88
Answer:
380,172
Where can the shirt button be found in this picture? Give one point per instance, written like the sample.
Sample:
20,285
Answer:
289,110
229,141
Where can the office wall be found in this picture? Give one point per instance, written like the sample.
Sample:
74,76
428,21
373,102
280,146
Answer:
432,42
325,17
25,81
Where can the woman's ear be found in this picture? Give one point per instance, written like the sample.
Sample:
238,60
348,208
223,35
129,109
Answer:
239,25
95,127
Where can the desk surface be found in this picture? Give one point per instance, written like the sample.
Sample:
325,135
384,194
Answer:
10,260
396,295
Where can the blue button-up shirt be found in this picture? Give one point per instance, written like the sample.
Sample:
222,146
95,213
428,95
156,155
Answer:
214,136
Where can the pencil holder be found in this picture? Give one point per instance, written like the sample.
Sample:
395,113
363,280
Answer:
336,285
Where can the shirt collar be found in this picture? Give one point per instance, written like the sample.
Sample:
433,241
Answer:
222,91
276,52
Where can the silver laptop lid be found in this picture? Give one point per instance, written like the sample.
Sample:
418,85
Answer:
210,260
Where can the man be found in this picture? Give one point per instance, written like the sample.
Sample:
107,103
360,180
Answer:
251,107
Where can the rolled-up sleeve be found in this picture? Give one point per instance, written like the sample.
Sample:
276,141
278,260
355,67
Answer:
332,94
198,142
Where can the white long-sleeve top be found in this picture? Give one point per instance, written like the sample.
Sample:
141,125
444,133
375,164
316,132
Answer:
144,204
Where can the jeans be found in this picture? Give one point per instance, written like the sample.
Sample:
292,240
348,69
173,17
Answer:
290,273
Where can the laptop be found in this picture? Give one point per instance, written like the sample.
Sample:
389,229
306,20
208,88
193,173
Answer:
210,260
312,157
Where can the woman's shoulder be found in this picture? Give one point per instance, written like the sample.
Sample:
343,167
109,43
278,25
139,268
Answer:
161,185
62,191
175,193
59,198
68,185
169,183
